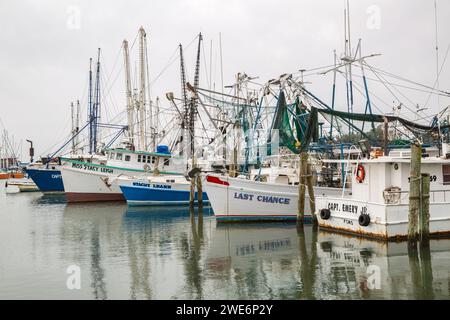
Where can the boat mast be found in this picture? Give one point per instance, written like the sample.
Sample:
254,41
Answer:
151,130
72,110
142,113
90,120
77,124
129,94
183,135
96,106
194,102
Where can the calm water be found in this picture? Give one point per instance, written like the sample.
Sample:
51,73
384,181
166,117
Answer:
128,253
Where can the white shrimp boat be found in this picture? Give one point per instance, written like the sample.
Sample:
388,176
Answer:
95,180
379,202
236,199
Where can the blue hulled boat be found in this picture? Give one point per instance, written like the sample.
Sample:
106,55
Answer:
162,191
47,179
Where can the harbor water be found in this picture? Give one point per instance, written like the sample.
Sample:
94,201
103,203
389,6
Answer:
122,252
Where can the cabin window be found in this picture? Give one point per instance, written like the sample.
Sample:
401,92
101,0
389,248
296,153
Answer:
149,159
170,181
127,158
166,161
153,159
112,155
119,156
446,174
139,158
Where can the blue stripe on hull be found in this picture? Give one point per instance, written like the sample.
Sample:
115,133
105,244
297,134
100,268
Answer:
136,195
47,180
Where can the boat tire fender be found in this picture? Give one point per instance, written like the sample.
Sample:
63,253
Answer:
364,220
325,214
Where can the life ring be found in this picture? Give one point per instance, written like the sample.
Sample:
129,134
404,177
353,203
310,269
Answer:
360,173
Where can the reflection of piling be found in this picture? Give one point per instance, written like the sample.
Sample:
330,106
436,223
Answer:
414,190
421,271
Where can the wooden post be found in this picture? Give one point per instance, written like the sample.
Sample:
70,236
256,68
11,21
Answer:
302,185
414,190
424,216
192,191
312,198
199,191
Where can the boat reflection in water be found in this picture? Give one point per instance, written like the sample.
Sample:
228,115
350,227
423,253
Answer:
284,261
172,253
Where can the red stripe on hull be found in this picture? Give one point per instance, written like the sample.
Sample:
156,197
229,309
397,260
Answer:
93,197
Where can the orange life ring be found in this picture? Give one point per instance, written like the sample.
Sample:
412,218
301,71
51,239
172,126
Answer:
360,173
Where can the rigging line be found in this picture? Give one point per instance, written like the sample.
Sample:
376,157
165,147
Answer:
172,59
403,86
437,49
404,79
206,70
393,94
439,73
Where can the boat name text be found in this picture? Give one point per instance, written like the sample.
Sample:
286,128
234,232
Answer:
269,199
92,168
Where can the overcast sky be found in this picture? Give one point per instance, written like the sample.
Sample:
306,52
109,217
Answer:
46,46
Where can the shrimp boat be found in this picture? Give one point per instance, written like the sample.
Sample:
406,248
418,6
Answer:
157,190
96,179
237,199
47,176
379,202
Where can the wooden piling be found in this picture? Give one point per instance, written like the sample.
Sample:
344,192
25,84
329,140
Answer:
312,198
302,185
414,190
424,215
199,191
192,191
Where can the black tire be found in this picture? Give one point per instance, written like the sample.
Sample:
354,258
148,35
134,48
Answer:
325,214
364,220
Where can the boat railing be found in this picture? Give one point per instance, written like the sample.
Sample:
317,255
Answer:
402,196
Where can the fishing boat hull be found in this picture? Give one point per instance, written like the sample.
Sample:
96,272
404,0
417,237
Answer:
151,196
386,221
88,186
234,199
4,175
47,180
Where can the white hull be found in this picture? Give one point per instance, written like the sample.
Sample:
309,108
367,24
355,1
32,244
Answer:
82,185
386,221
240,199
